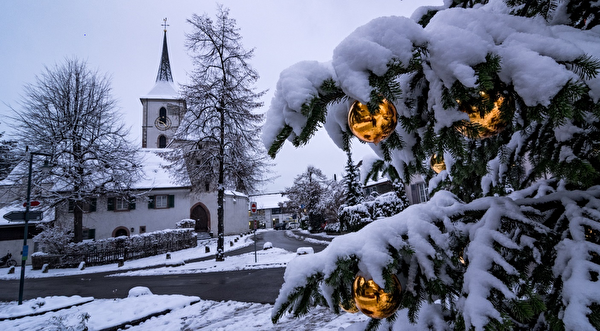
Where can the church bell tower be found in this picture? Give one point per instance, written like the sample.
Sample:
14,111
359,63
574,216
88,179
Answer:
162,106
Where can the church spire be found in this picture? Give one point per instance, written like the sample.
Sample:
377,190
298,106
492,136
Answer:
164,70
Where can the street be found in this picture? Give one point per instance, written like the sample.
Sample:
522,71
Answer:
258,285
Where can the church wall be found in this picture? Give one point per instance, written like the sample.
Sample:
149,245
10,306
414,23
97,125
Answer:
235,218
104,222
237,221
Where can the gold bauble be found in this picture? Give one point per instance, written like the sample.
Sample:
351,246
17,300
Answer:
437,166
492,123
372,128
373,301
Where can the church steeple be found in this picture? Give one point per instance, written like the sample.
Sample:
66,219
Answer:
164,70
162,107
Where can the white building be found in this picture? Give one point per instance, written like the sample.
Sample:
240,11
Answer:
271,209
157,203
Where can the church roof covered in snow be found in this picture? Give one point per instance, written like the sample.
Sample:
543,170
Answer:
154,173
268,201
162,90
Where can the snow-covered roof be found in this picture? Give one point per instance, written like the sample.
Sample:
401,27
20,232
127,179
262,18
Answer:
380,180
154,173
268,201
162,90
18,172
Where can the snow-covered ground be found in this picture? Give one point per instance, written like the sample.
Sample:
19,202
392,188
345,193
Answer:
142,310
175,312
149,262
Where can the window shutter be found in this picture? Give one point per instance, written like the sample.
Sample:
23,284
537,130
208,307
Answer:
110,204
131,203
171,201
93,202
71,205
151,202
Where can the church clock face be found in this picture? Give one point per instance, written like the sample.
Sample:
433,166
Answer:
162,123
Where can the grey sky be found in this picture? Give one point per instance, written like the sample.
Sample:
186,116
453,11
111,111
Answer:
123,39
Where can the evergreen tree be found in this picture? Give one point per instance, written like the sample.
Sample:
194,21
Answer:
217,141
352,188
510,240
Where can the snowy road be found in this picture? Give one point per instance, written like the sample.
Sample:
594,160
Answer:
260,284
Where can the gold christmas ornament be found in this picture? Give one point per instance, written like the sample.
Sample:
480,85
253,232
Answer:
373,301
492,123
372,128
437,166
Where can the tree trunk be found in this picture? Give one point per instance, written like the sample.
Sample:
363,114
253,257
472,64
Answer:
78,222
221,189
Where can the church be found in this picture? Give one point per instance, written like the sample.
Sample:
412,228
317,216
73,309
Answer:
160,201
157,201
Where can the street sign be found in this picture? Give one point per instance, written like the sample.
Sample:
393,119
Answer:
253,207
19,216
31,204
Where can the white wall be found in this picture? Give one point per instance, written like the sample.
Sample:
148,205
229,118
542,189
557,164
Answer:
235,217
105,222
15,247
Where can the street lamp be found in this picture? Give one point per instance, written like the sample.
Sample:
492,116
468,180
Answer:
25,252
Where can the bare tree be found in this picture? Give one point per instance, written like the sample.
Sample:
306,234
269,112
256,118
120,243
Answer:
219,135
70,114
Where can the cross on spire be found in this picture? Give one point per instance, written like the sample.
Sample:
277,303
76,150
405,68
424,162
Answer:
164,24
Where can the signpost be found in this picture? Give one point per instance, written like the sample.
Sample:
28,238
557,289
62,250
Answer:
19,216
254,209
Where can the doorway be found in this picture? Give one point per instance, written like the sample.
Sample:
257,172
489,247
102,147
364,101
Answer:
200,214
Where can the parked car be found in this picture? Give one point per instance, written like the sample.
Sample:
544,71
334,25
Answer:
293,225
279,226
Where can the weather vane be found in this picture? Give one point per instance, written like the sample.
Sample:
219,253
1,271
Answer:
165,24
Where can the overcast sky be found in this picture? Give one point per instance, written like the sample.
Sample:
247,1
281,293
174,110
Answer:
124,38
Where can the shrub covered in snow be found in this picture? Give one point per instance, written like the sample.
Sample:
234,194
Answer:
186,223
53,238
354,218
111,249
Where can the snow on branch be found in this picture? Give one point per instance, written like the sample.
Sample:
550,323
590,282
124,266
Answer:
479,260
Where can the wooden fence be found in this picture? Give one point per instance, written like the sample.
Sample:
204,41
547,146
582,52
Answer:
93,256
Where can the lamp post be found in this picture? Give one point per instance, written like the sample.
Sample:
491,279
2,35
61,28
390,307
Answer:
25,252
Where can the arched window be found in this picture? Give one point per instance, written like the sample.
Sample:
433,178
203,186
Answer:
162,113
162,141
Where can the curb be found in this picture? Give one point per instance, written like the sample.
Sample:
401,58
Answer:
45,311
